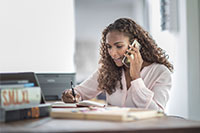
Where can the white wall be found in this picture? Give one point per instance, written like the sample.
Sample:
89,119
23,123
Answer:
37,35
175,44
183,47
178,104
193,41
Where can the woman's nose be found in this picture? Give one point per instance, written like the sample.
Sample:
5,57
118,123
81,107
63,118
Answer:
113,52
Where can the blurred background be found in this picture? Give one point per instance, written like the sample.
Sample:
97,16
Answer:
63,36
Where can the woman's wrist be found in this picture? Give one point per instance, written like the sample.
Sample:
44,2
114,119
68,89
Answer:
134,77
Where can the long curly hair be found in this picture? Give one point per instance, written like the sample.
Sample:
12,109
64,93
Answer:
110,74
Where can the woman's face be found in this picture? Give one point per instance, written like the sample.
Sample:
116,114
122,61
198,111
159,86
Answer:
117,45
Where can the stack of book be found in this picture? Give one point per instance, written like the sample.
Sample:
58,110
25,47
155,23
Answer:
21,98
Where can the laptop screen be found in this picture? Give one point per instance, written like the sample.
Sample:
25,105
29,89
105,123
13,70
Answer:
53,84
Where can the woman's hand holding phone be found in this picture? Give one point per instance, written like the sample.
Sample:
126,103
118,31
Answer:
67,96
136,61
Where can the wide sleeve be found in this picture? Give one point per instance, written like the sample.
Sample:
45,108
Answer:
88,89
154,98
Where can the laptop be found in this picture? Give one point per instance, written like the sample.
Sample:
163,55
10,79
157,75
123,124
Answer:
53,84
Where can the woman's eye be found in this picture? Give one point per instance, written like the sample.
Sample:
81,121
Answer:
119,46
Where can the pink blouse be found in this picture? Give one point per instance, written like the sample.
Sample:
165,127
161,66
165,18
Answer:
150,91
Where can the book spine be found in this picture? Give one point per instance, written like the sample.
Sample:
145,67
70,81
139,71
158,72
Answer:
16,85
14,81
14,98
26,113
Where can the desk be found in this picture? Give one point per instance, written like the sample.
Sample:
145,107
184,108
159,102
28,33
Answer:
165,124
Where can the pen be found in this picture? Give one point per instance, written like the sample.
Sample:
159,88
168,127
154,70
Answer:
73,92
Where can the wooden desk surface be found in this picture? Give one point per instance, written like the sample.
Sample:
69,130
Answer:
154,125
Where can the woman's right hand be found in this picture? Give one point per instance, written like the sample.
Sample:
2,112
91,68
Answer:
68,97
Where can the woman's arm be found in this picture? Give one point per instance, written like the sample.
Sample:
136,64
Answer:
88,89
157,97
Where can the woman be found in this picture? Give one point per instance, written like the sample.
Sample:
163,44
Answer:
145,84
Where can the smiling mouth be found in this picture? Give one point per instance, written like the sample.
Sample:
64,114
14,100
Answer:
118,59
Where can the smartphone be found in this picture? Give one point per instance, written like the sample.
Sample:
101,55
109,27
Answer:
125,60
